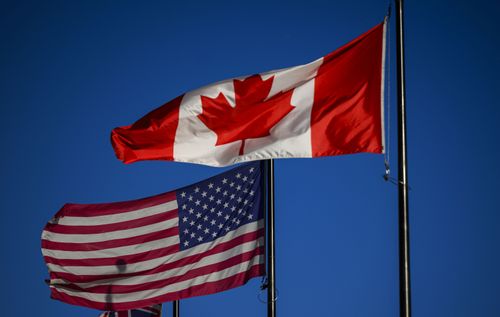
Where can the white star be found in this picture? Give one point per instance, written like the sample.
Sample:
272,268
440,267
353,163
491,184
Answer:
238,175
218,201
250,216
200,238
205,206
210,185
245,178
211,198
183,194
239,199
190,198
252,181
186,243
197,203
191,210
198,215
218,189
219,213
199,227
246,201
184,219
251,193
245,190
252,169
227,229
238,187
226,205
197,189
233,208
212,209
224,193
204,194
184,206
186,231
226,217
240,211
233,220
212,222
205,218
193,235
206,230
243,213
220,225
232,196
238,222
224,181
232,184
192,222
214,234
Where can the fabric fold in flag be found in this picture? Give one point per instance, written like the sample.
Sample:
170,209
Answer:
331,106
196,240
150,311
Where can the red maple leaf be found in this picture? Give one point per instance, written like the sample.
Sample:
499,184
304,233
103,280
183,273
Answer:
252,117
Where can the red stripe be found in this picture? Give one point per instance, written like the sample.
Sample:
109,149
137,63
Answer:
93,246
346,114
198,290
129,224
123,289
92,210
151,137
72,278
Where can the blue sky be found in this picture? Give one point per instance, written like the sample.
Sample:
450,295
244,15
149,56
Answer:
72,71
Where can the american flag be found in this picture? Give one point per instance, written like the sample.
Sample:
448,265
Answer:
197,240
151,311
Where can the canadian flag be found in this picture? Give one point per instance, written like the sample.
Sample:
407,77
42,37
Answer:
331,106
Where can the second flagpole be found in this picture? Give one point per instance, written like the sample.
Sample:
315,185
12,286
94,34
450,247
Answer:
175,308
271,281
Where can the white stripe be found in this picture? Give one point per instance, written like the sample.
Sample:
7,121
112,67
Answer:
150,264
107,236
124,216
113,252
176,287
178,271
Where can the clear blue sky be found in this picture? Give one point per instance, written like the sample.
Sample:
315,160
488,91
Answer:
73,70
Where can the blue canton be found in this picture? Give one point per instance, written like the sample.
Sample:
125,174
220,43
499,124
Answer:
212,208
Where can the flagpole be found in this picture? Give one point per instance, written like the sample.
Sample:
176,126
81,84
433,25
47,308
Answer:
271,288
404,237
175,308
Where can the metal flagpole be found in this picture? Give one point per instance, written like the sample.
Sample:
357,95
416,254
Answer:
404,247
271,288
175,308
